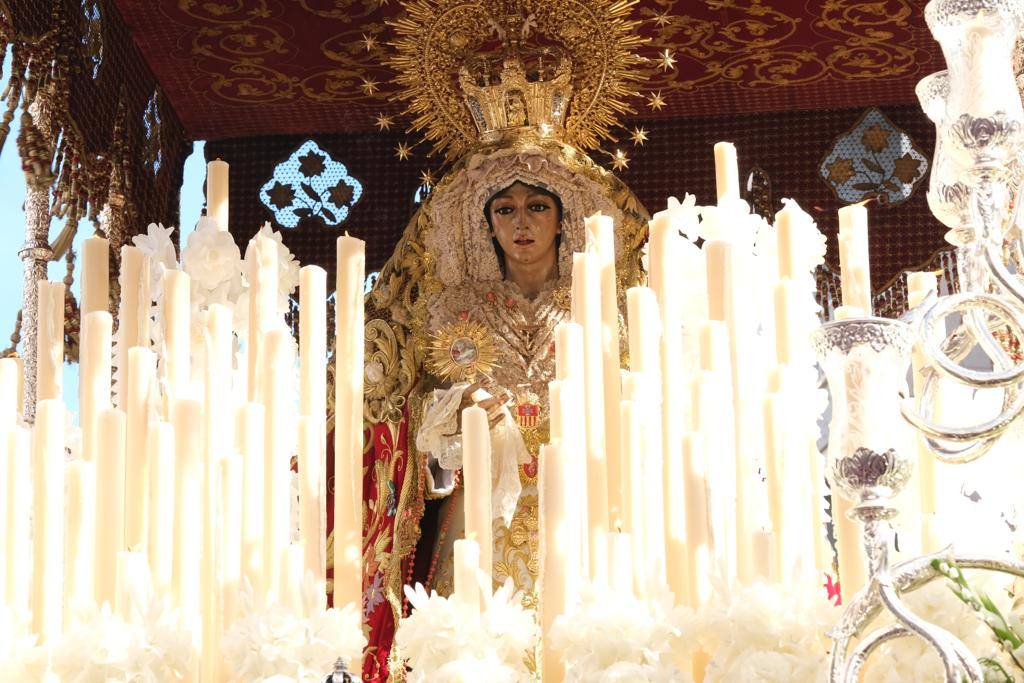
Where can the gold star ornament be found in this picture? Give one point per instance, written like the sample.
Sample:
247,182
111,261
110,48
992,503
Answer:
666,60
619,160
369,41
384,122
426,178
638,136
655,101
370,86
663,19
402,151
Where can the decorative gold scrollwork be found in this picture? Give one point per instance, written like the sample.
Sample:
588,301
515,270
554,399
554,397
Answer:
390,372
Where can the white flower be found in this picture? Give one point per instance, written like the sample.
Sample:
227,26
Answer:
21,659
613,636
769,633
444,641
809,241
157,244
211,257
270,640
287,269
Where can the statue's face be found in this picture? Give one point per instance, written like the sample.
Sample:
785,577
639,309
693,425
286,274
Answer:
525,223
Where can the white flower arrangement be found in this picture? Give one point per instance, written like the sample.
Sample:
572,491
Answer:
445,641
772,633
613,636
21,659
271,641
100,646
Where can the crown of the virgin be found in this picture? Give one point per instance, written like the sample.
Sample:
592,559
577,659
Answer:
530,90
565,68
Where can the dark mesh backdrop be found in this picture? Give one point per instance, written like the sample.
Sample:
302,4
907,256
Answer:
678,158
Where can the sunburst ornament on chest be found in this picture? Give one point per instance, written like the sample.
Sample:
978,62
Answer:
461,352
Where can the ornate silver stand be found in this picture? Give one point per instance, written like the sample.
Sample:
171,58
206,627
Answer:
979,118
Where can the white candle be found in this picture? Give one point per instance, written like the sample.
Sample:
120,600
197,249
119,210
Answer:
476,471
600,231
177,331
792,336
727,179
920,285
714,346
8,394
47,518
140,403
50,341
634,462
620,562
18,571
587,286
217,193
95,275
559,535
95,380
6,493
698,533
677,565
764,556
186,416
160,450
250,444
263,317
292,572
849,548
279,434
230,547
110,477
313,341
80,538
466,565
568,350
311,502
572,449
775,426
125,582
133,313
348,423
847,312
644,335
855,269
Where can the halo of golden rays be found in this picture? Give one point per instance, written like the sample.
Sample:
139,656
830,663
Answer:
461,352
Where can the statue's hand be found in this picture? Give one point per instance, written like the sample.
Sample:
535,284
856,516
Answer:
476,394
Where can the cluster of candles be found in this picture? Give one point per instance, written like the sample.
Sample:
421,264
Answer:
184,474
651,475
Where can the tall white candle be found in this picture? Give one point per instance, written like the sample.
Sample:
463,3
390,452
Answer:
559,533
17,502
620,562
313,341
568,350
50,341
79,538
634,461
127,567
250,445
217,193
727,179
94,388
572,449
110,477
263,317
699,554
476,470
6,493
292,572
160,449
587,286
47,518
230,546
95,275
133,313
186,416
8,394
775,426
920,285
177,331
466,565
279,434
600,231
311,502
348,422
855,268
140,403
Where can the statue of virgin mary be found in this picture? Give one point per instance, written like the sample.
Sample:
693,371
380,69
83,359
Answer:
464,310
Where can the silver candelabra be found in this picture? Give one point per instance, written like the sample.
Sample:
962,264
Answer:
975,191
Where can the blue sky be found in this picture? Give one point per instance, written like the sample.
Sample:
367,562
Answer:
12,236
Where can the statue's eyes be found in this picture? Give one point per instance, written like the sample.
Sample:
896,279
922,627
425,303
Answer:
539,206
503,210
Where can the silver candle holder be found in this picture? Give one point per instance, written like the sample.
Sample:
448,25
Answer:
977,168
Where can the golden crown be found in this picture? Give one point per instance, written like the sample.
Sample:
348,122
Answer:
562,67
534,95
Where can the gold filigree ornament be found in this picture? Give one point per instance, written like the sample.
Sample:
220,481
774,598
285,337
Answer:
485,70
461,352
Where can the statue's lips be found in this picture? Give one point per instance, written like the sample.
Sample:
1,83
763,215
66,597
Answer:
523,242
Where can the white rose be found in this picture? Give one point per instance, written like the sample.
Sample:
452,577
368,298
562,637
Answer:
157,245
211,258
